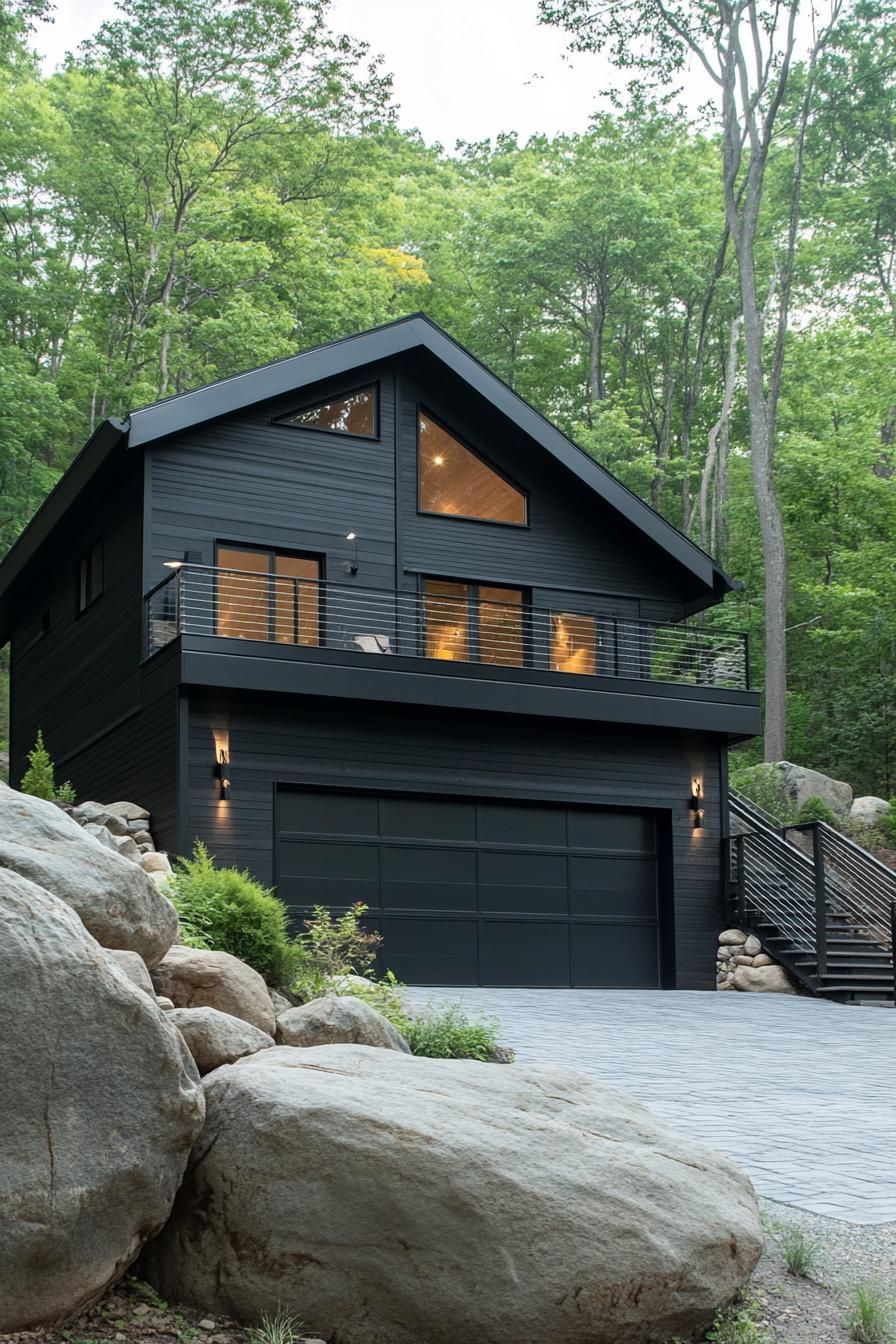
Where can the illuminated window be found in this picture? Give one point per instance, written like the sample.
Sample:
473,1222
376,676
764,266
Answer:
90,576
354,413
453,480
573,638
269,596
471,622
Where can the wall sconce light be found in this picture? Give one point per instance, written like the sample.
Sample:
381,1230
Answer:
695,803
222,771
351,566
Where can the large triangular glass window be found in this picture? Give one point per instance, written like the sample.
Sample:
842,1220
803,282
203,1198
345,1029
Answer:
353,413
454,480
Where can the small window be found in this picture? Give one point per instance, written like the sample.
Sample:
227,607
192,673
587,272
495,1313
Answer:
90,576
453,480
355,413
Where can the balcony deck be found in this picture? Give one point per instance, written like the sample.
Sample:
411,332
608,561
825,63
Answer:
267,633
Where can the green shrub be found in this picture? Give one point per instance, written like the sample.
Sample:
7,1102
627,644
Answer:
279,1329
39,779
870,1315
330,948
450,1033
227,910
761,784
816,809
66,793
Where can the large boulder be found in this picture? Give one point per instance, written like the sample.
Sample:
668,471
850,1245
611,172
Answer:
115,899
763,979
195,978
99,1106
214,1038
134,968
795,785
338,1020
868,811
392,1200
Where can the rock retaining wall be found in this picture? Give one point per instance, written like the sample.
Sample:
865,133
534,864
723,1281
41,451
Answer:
124,827
742,964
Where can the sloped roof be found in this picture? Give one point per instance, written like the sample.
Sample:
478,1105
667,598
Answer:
175,414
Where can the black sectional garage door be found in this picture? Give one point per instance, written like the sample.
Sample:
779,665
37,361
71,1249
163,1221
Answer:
475,891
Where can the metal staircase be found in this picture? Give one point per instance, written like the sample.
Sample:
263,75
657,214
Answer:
822,906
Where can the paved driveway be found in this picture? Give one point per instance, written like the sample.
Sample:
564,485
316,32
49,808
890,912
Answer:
799,1092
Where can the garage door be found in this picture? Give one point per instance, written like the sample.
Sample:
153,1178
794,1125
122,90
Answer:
480,892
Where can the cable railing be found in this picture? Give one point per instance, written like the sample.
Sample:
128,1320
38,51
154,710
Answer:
820,890
438,624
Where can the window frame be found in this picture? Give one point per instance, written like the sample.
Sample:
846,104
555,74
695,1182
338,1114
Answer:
272,552
86,559
423,409
473,603
375,387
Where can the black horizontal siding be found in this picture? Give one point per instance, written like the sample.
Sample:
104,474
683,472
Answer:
136,761
245,479
82,676
280,739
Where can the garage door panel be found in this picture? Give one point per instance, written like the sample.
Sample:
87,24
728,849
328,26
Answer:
313,872
516,823
307,811
428,878
428,819
520,952
615,956
432,951
612,888
522,884
589,828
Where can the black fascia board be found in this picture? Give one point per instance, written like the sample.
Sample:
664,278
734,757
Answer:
108,437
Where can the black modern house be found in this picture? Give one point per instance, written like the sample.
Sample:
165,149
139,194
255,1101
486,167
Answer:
371,627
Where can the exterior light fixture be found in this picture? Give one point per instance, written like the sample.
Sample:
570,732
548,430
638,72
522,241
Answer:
695,803
351,566
172,564
222,771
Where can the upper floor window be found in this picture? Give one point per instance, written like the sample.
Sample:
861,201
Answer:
353,413
473,622
90,576
268,595
454,480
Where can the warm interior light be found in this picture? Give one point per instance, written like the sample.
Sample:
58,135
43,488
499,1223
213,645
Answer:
438,460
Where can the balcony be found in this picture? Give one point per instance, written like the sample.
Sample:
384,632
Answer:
394,637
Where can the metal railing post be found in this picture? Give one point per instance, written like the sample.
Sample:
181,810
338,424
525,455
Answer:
177,602
821,903
893,943
740,911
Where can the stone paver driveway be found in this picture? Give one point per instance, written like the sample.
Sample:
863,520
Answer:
799,1092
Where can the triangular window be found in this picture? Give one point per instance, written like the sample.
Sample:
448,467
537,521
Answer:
454,480
353,413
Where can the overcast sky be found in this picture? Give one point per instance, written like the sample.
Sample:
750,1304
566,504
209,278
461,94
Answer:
464,69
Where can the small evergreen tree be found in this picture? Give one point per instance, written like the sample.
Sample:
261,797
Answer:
38,778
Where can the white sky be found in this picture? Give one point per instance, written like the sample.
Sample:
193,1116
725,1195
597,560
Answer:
463,69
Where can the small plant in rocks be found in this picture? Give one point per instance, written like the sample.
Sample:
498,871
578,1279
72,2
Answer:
870,1314
331,948
450,1033
801,1253
281,1328
39,780
739,1324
